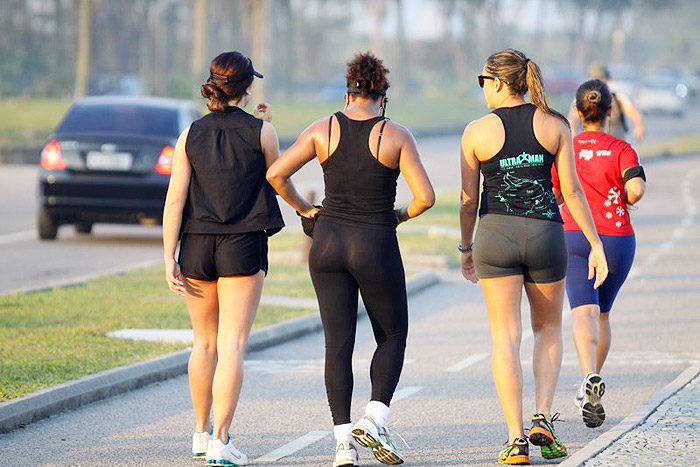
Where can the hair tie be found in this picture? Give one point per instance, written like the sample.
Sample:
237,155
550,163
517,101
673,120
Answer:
527,60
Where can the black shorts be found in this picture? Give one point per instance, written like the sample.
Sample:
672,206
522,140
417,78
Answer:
512,245
206,257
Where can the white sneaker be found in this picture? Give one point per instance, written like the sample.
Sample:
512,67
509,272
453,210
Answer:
200,439
372,435
345,454
219,453
588,400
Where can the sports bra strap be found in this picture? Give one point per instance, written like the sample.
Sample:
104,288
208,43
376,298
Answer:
330,125
381,132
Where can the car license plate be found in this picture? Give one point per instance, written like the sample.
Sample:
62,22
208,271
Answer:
120,161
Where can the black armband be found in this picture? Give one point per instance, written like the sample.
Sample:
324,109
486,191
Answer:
634,172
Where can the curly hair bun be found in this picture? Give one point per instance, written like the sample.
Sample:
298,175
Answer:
593,97
367,75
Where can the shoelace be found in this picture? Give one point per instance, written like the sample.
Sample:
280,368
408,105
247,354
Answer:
396,433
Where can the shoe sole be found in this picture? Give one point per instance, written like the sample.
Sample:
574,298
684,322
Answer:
345,464
548,446
516,460
381,453
221,462
592,410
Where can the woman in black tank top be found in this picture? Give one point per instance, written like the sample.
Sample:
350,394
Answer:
221,208
520,241
355,246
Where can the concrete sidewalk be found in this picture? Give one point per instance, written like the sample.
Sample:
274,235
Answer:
661,432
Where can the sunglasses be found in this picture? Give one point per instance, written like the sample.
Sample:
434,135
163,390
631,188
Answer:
482,78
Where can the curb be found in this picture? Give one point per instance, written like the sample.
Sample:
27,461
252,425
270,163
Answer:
17,413
633,420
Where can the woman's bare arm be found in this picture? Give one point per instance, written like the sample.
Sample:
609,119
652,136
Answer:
279,173
575,200
417,179
469,197
172,212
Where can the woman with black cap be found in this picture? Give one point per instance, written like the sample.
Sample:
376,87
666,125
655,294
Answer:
222,210
355,247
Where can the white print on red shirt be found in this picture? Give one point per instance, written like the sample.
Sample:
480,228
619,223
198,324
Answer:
614,195
603,153
586,154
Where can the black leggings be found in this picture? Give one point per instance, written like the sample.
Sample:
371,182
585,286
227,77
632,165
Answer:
343,259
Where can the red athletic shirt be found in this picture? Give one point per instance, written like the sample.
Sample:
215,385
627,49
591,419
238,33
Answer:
600,162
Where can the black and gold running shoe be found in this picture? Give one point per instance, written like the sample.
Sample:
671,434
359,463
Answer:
515,453
542,434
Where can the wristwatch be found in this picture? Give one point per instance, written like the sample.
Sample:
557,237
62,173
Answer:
465,250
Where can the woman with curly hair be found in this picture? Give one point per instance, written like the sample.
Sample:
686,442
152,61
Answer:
354,246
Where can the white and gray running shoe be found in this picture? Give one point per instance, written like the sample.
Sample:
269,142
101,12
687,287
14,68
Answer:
200,440
369,434
219,453
588,400
345,454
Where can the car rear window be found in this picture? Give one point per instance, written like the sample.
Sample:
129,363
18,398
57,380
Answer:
119,118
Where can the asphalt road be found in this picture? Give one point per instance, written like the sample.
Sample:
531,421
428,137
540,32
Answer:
449,414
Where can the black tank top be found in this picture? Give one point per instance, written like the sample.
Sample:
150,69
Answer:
228,192
359,188
518,180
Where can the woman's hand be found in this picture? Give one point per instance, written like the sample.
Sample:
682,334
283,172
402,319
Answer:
597,265
468,270
265,109
311,213
174,278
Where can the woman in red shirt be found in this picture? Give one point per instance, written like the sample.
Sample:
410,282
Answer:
613,180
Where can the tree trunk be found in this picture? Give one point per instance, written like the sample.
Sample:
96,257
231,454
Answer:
82,69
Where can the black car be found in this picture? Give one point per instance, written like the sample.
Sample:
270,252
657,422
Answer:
109,160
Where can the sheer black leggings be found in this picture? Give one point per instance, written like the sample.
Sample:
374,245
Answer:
343,259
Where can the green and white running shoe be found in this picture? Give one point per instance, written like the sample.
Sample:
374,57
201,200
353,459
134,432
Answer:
542,434
369,434
345,454
588,400
200,439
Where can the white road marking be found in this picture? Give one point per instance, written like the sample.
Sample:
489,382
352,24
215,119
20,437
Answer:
467,362
405,392
18,236
290,448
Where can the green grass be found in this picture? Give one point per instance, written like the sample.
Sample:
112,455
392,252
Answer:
445,213
53,336
30,120
679,145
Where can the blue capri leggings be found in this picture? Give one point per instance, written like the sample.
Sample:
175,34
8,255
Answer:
619,251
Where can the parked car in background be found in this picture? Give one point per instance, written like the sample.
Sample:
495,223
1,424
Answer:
109,160
663,94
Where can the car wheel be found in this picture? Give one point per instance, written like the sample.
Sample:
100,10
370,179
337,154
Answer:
83,228
46,226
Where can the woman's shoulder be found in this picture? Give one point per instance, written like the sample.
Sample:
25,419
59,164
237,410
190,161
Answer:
484,124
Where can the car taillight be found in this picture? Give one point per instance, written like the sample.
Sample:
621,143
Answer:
51,157
165,160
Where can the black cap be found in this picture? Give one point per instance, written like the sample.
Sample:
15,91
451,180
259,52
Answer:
246,75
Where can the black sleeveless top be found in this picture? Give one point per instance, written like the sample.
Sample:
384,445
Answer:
360,190
228,192
518,180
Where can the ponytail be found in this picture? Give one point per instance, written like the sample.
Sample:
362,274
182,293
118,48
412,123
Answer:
537,95
521,75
